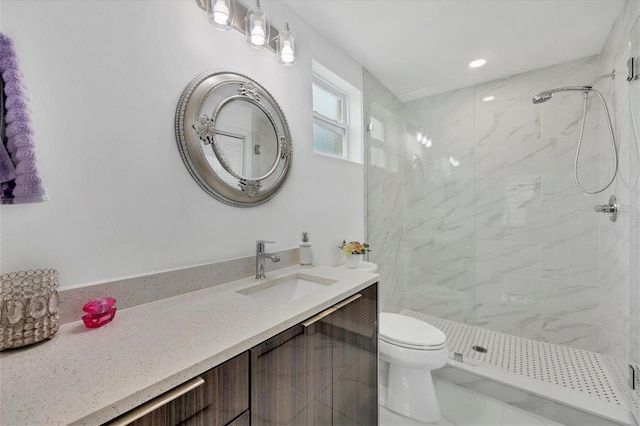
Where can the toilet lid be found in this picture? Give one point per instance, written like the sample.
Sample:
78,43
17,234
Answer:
405,330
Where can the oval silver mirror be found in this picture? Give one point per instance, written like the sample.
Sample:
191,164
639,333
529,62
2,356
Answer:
234,138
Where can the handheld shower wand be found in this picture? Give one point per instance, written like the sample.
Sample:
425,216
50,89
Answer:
548,94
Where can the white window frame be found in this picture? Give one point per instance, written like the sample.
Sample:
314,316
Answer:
339,127
353,109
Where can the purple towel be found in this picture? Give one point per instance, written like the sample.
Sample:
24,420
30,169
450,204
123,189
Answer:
20,181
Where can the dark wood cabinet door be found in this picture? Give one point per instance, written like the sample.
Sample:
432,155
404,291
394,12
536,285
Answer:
226,391
282,382
242,420
354,333
321,372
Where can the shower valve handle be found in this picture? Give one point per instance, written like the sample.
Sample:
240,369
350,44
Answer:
605,208
611,209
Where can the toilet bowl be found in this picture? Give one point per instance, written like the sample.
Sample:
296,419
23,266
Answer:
412,348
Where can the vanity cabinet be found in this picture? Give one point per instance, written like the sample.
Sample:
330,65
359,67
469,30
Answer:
217,397
322,371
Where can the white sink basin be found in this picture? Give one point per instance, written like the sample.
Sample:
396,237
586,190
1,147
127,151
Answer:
290,287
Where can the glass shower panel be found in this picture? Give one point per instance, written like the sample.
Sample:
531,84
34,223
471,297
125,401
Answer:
634,225
385,190
420,173
440,227
420,206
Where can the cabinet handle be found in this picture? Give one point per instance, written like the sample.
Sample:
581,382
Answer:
158,402
331,310
349,300
318,317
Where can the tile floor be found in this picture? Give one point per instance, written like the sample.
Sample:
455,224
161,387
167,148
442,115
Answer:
595,385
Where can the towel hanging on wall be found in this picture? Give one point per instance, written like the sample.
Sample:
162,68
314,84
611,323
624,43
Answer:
19,177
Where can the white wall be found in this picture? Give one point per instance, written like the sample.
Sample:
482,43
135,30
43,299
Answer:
104,78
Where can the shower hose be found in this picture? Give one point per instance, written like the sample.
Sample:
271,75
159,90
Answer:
612,138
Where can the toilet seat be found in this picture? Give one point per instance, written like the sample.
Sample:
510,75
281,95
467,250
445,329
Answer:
410,333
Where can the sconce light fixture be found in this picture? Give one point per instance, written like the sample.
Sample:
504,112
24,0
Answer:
257,27
286,47
254,24
221,13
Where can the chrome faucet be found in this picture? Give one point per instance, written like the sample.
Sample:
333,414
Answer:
261,255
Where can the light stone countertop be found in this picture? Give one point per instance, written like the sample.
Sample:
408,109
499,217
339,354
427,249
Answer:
89,376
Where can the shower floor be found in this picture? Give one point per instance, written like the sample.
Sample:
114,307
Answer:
576,378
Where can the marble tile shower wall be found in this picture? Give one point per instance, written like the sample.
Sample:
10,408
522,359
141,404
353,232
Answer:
504,240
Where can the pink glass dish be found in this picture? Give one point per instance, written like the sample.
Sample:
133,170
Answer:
98,320
99,306
99,312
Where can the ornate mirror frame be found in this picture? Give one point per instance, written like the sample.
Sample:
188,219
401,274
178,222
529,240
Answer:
196,129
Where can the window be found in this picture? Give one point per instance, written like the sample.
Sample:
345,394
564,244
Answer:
330,122
337,116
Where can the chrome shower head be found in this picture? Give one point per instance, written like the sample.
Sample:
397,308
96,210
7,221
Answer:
541,97
546,95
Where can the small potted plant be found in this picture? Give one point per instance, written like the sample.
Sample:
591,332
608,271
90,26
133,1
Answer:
353,252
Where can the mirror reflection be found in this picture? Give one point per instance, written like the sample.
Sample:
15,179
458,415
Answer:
233,138
246,140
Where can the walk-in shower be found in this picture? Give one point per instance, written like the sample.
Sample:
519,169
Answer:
586,90
500,249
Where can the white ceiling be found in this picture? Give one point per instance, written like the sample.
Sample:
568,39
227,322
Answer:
421,47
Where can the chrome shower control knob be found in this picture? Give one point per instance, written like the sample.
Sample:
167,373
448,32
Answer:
611,209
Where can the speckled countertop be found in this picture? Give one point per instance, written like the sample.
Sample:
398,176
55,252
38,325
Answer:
89,376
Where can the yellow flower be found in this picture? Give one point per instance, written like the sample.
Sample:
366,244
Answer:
354,247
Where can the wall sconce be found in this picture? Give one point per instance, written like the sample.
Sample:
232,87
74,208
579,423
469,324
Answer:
254,24
256,27
221,13
286,47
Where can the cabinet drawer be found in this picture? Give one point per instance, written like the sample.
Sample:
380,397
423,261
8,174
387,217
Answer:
214,398
226,391
170,408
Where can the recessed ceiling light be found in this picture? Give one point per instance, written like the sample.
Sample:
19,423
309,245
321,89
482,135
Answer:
454,161
488,98
477,63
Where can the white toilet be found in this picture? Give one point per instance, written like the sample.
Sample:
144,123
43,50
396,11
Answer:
412,348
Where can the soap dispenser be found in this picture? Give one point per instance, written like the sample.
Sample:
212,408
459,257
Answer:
306,255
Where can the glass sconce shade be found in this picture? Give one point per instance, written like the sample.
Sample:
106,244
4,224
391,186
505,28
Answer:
221,13
286,47
257,27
